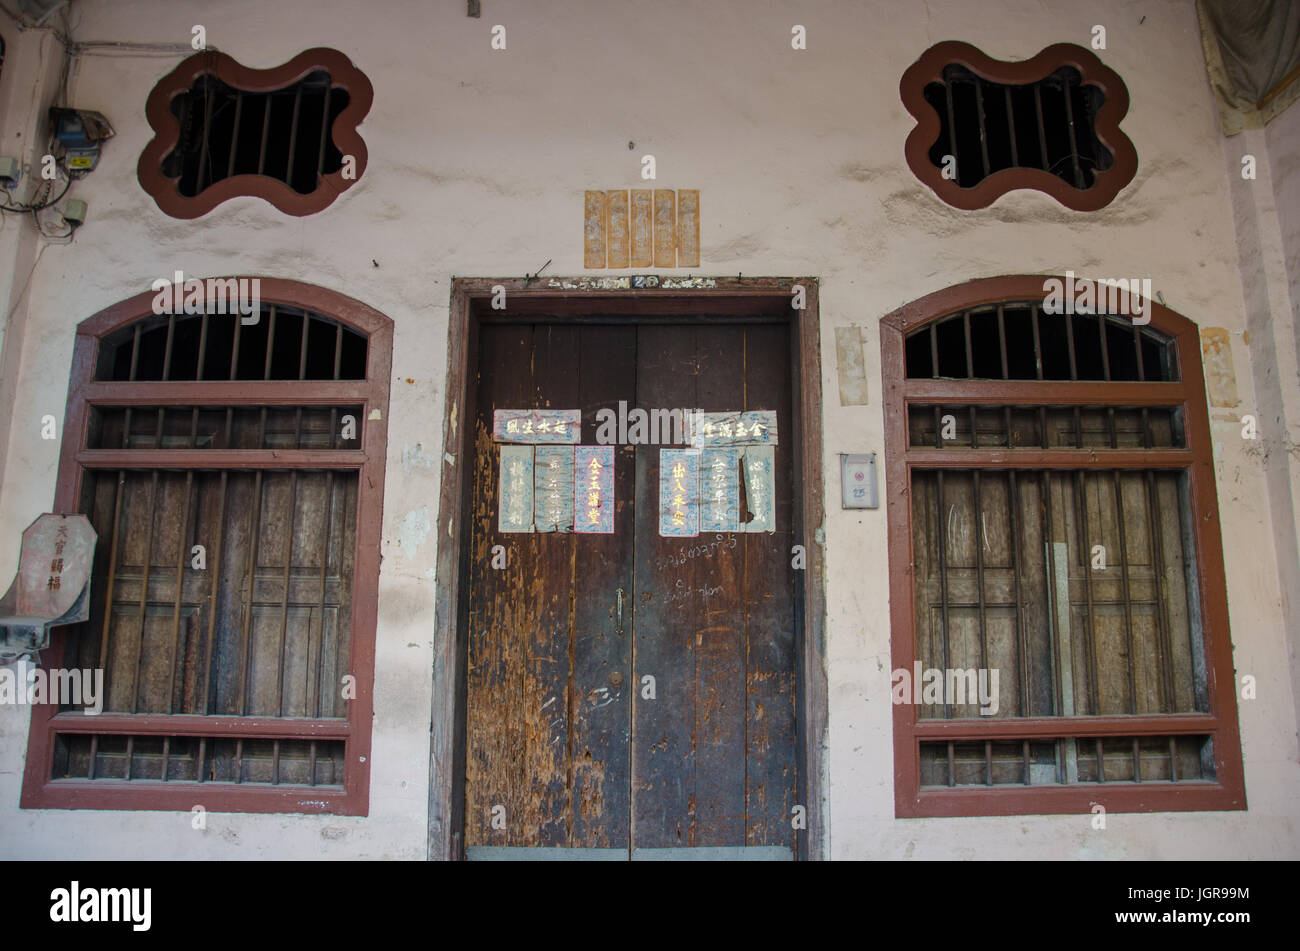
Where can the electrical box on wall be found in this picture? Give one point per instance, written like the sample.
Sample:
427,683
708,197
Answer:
858,481
80,132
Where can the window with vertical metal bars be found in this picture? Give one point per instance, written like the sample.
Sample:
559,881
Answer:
990,126
283,133
221,466
1053,528
286,134
985,126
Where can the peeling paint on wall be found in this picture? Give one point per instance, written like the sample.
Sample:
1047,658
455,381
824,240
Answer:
850,365
414,529
1220,380
415,457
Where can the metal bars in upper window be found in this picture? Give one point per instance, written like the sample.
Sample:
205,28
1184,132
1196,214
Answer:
1046,125
1020,341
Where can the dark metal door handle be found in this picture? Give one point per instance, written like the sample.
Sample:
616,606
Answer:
618,614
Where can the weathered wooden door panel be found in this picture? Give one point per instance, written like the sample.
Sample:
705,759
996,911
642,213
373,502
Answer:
713,753
548,677
565,746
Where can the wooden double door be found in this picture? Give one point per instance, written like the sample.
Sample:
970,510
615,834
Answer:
631,695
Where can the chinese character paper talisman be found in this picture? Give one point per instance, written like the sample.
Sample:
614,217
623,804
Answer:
679,493
593,493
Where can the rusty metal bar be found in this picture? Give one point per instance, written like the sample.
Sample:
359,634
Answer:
1124,589
1025,752
338,363
970,357
239,761
952,764
266,125
1101,762
234,369
1173,759
1164,639
1015,163
979,108
1137,761
1002,350
266,375
234,136
275,762
934,352
941,526
166,756
284,599
970,375
324,129
130,756
293,134
1038,367
979,567
210,81
324,577
166,372
988,762
203,347
206,697
302,375
202,759
1042,128
182,549
1101,337
1049,575
1022,647
270,344
311,763
952,128
1038,343
144,590
1081,488
1069,122
254,540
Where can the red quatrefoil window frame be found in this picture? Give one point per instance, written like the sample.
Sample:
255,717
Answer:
343,133
930,67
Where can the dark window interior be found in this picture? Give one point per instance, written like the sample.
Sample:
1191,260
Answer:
285,343
283,134
1017,341
990,126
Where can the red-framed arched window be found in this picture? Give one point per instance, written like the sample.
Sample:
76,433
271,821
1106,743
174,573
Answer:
1053,524
233,468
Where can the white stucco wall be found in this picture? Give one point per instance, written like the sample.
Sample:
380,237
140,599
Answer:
478,161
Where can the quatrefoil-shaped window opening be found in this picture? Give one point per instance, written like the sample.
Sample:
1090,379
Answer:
288,134
986,127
